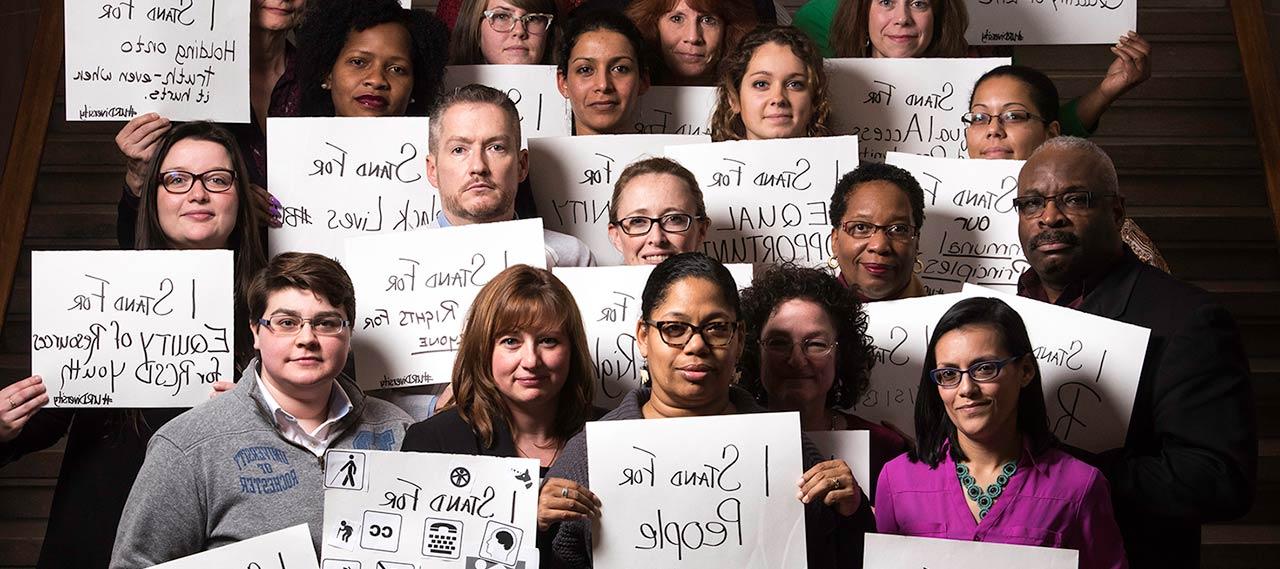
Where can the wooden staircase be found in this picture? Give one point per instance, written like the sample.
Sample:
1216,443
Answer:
1184,143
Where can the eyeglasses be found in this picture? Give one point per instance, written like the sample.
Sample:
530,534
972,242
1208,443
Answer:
1075,201
503,21
949,377
813,347
676,334
1005,118
217,180
286,325
864,230
637,225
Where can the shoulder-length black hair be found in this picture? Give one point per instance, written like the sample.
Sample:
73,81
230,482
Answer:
324,31
934,426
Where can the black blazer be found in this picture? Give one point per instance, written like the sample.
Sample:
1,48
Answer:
446,432
1191,452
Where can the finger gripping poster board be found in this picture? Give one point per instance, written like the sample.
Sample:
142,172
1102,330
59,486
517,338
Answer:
413,291
411,510
905,105
698,492
132,328
1089,365
1049,22
342,177
185,59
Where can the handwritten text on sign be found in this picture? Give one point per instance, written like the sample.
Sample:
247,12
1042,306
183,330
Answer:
186,60
343,177
698,492
609,300
768,199
543,110
885,551
1041,22
676,110
573,180
285,549
1089,365
413,291
131,328
409,509
970,232
905,105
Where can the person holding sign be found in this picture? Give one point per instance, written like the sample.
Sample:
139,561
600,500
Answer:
807,351
193,199
690,334
656,211
602,68
1013,109
516,32
476,162
523,378
691,35
876,214
1190,455
273,91
773,86
369,59
248,462
987,467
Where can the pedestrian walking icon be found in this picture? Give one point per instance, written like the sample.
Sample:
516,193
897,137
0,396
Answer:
344,469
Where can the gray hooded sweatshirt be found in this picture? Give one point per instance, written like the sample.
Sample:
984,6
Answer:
221,473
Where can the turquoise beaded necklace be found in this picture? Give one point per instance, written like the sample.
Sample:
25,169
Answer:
985,498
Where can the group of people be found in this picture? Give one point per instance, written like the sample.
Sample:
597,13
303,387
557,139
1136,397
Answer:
983,464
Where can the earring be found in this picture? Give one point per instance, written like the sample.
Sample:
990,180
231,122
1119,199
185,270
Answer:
325,85
644,373
833,263
919,268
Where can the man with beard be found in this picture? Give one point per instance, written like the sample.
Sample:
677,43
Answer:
1190,455
476,163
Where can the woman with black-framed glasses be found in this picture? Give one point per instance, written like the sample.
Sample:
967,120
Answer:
513,32
656,212
987,466
691,336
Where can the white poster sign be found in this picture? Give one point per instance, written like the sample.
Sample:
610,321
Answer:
132,328
853,447
543,110
609,300
413,291
344,177
1089,365
289,548
411,510
1036,22
768,199
970,232
676,110
573,176
698,491
905,105
187,60
884,551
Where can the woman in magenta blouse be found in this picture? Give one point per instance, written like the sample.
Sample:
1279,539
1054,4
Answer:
987,466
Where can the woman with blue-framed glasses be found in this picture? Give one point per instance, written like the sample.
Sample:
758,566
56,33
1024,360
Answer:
987,467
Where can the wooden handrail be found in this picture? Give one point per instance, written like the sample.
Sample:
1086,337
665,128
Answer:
22,166
1264,92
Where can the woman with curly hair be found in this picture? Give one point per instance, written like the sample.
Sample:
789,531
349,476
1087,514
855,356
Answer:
690,37
369,59
807,350
772,86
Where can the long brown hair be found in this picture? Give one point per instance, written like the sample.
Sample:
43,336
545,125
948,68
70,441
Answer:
464,44
850,37
245,241
727,124
739,17
520,298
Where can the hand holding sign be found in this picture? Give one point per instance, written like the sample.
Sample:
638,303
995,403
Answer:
831,482
20,400
563,500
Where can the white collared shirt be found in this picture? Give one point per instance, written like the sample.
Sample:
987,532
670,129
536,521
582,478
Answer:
318,440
